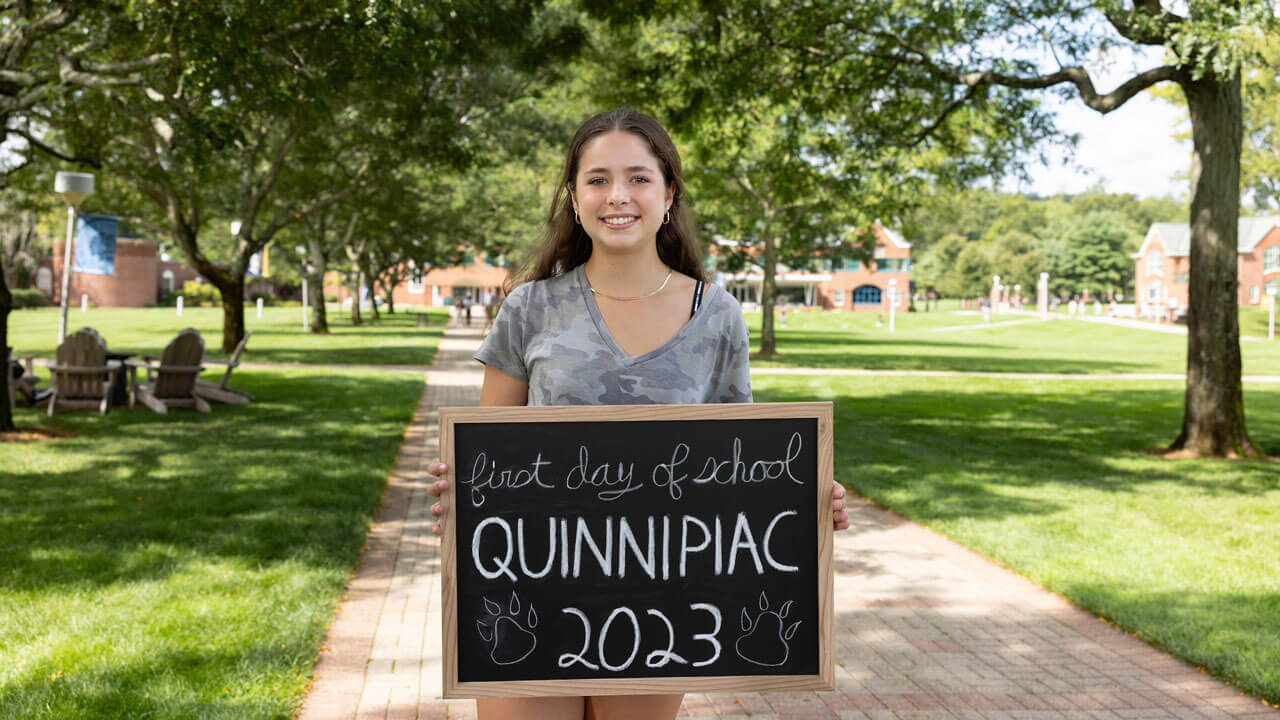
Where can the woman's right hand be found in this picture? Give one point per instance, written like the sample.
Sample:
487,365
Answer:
437,490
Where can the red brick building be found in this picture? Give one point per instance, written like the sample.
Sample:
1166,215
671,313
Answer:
839,285
851,286
438,287
1164,263
140,278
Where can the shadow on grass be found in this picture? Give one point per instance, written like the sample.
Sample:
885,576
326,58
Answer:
293,476
820,349
146,686
949,454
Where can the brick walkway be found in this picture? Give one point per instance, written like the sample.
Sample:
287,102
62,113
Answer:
925,629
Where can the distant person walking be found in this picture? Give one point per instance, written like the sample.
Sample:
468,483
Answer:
492,301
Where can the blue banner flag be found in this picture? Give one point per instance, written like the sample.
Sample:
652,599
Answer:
96,244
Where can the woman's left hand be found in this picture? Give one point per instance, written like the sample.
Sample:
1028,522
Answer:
839,518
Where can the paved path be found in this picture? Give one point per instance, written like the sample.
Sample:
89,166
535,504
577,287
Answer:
925,629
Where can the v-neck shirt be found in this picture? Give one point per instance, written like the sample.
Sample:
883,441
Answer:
550,334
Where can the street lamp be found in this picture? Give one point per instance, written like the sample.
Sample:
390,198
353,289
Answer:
74,188
307,269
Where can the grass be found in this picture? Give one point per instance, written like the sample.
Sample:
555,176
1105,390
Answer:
951,340
277,336
188,566
1053,480
1254,321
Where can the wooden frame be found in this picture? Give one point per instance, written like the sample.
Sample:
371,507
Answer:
824,680
219,392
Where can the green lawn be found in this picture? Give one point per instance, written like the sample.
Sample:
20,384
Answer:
1053,479
1254,321
188,566
277,336
958,341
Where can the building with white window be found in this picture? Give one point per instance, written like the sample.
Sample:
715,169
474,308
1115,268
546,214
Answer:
845,284
1163,263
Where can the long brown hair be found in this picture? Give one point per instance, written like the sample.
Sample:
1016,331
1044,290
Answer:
566,245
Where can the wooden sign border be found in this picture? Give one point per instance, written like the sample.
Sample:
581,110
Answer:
824,680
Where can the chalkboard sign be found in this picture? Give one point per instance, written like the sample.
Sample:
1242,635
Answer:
637,549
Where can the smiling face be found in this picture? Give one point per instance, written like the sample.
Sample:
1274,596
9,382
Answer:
620,192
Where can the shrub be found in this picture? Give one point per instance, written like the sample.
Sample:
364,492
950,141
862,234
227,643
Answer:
196,294
29,298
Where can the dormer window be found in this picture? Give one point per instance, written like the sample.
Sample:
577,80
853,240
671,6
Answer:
1155,262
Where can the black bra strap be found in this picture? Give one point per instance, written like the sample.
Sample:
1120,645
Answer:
697,298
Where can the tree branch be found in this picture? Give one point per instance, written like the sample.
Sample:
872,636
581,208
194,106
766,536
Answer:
46,149
1146,23
1079,77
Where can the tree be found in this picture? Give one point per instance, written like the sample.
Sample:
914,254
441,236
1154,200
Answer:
920,64
771,185
776,179
225,125
47,49
1091,252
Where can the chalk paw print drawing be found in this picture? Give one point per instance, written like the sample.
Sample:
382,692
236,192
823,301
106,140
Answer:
509,637
764,641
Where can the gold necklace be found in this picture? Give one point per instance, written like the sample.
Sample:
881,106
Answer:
634,297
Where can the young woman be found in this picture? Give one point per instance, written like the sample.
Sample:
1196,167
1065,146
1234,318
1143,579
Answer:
614,310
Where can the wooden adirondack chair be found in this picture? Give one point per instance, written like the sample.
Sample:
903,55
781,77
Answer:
219,391
81,374
171,378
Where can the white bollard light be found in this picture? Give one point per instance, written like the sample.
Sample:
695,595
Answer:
84,302
179,306
259,308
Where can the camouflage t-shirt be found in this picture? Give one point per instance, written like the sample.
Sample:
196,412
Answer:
550,334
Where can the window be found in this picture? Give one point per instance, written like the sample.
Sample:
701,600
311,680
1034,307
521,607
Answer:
879,252
838,300
1153,291
1272,287
1271,259
893,265
1255,293
850,264
1182,278
866,295
166,279
1155,262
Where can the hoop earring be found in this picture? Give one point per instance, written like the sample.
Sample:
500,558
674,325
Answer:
576,218
666,218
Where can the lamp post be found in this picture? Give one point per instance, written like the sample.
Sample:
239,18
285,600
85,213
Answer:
307,269
74,188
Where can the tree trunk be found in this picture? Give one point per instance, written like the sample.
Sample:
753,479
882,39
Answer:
368,277
320,265
355,300
232,313
768,293
6,304
1213,413
390,288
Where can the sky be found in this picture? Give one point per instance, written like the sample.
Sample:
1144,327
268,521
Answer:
1129,150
